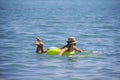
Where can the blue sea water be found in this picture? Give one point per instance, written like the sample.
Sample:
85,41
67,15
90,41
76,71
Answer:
94,23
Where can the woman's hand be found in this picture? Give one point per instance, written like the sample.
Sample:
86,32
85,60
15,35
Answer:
80,51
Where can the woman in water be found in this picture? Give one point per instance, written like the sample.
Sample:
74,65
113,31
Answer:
69,47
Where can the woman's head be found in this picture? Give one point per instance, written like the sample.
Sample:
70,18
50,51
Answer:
71,40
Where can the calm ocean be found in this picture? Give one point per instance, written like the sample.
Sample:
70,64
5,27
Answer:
94,23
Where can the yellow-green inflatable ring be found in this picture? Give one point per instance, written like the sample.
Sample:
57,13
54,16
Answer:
56,51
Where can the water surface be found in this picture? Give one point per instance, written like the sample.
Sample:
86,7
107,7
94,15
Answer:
94,23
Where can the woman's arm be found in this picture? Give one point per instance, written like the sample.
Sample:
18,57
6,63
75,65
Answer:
62,51
77,49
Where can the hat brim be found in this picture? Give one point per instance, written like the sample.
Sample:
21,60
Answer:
73,42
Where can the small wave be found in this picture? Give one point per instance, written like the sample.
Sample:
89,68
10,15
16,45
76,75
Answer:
87,54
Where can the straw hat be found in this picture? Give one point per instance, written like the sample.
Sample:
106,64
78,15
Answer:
71,40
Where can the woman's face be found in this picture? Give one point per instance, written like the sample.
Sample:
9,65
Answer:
74,44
